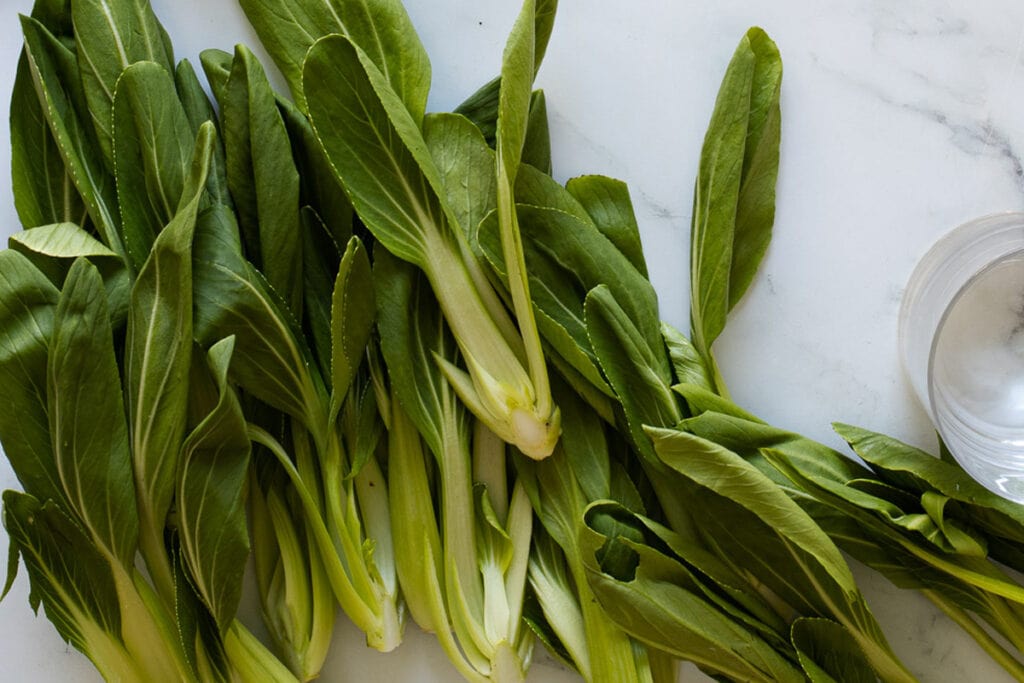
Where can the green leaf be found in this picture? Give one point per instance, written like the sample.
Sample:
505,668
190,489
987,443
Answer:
353,311
481,108
747,437
607,202
61,240
466,167
321,190
320,261
271,360
376,152
411,332
757,526
53,248
54,71
638,371
653,604
217,67
199,110
158,358
517,73
87,426
828,654
196,627
687,365
55,15
153,144
28,302
111,36
537,145
71,578
565,258
210,497
734,199
875,517
262,177
43,190
380,28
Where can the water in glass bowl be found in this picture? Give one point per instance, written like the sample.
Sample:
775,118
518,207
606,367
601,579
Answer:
976,376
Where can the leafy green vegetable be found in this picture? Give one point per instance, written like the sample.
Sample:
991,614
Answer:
118,33
734,199
381,27
417,225
470,569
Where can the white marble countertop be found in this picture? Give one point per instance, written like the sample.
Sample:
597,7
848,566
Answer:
900,121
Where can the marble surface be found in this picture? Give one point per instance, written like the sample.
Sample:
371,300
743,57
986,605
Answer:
900,121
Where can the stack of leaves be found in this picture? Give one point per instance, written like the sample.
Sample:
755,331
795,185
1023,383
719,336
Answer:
126,438
431,377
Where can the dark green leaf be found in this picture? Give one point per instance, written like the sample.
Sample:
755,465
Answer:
210,497
111,36
262,177
55,74
320,261
43,190
353,310
271,360
196,626
27,305
70,576
828,654
757,526
158,358
481,108
199,110
380,28
654,606
321,189
639,372
607,202
153,144
375,148
86,410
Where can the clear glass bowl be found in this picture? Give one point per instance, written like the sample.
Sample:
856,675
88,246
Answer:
961,332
